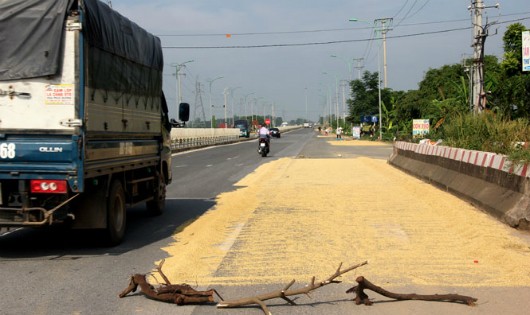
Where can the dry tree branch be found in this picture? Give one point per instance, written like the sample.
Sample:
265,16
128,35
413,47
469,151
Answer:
362,298
179,294
286,292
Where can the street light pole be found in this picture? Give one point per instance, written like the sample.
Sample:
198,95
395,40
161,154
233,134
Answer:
211,105
306,118
347,63
252,107
246,104
337,100
231,92
225,93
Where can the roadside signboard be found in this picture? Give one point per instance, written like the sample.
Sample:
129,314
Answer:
526,51
420,127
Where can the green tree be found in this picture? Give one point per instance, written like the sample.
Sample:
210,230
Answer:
365,96
513,42
511,95
441,83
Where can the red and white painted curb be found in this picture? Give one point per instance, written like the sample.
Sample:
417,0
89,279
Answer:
478,158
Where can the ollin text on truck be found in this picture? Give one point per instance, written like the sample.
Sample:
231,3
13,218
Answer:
84,126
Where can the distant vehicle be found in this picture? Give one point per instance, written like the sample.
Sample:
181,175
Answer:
242,124
275,132
307,125
284,124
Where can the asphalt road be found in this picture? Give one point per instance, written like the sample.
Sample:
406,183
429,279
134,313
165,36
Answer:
56,271
53,271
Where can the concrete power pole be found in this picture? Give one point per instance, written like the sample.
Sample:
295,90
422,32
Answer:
477,74
383,26
480,33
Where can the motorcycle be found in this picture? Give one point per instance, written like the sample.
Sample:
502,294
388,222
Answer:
263,147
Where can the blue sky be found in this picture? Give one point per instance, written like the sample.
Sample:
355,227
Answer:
289,44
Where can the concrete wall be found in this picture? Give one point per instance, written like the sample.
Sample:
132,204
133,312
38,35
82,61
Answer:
487,180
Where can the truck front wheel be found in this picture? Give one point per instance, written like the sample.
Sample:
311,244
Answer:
116,214
158,203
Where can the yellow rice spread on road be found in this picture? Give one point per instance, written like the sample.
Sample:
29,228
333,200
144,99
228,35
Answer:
299,218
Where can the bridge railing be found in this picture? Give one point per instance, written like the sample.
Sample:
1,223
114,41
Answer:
191,138
187,138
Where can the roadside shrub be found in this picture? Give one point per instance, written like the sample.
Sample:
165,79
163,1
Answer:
488,132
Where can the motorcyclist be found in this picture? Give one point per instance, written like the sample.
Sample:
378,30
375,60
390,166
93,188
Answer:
264,133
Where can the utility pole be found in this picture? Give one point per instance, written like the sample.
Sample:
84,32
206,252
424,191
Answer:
383,26
179,67
480,33
198,101
344,85
359,65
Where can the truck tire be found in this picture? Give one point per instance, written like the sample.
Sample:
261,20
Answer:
158,204
116,214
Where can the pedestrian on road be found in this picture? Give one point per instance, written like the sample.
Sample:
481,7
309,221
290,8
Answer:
339,133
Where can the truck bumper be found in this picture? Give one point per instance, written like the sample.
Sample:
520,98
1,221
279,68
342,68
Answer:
31,216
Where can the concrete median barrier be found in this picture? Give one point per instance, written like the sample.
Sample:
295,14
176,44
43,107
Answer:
487,180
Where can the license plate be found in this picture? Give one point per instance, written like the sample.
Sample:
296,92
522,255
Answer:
262,144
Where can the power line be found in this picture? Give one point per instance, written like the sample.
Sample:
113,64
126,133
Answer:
265,33
332,42
313,43
324,30
401,9
421,8
407,14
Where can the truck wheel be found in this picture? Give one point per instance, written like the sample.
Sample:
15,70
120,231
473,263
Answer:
116,214
158,204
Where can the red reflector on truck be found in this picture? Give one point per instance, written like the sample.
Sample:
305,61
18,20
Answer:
42,186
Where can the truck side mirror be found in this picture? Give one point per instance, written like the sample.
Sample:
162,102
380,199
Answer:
184,112
174,123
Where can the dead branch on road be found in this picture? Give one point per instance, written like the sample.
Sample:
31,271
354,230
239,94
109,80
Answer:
362,298
179,294
285,292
